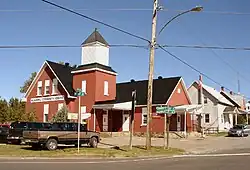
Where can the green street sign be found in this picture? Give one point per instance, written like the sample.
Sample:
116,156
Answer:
165,110
79,92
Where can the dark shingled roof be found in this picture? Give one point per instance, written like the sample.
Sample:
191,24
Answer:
94,65
64,74
95,37
162,90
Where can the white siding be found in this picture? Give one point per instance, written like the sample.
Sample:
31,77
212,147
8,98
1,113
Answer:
95,53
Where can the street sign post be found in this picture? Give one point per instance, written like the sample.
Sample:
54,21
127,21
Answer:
167,111
78,94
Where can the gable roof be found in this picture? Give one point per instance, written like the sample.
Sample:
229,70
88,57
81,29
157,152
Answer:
213,92
162,91
92,66
231,99
61,72
95,37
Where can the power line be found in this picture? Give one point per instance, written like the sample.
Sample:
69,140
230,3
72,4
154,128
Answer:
97,21
209,47
122,9
192,67
131,45
66,46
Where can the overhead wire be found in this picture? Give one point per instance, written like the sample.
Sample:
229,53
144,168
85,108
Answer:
97,21
125,32
122,9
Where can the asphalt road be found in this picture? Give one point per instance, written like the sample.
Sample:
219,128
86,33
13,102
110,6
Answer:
194,163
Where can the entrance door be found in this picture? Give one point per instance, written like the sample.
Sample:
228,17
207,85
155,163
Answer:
105,122
178,122
125,122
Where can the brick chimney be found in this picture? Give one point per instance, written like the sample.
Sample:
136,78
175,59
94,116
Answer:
222,88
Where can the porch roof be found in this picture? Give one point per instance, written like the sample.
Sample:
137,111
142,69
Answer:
195,108
235,110
114,106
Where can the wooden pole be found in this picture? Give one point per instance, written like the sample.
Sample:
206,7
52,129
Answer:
150,76
132,119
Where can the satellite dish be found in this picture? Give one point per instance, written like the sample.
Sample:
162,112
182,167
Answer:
85,115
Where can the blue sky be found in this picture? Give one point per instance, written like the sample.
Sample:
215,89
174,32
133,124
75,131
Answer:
39,26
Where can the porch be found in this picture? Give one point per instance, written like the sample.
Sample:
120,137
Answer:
112,117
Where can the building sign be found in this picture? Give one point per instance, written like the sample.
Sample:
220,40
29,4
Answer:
46,99
74,116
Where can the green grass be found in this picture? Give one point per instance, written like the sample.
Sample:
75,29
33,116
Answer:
26,151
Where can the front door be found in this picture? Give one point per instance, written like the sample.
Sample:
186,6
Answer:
125,122
105,122
178,122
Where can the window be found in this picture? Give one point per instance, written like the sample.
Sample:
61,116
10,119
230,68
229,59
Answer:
207,118
83,109
60,106
84,86
205,100
39,88
144,116
106,88
46,112
54,86
46,89
179,91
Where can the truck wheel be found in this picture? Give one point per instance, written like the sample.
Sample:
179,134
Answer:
51,144
93,142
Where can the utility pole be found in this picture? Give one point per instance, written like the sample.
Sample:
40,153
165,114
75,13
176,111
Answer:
202,119
238,79
132,115
150,75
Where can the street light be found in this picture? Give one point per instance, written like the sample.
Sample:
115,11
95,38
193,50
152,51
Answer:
195,9
151,65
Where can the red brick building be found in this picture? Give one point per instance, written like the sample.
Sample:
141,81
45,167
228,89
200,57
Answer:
108,102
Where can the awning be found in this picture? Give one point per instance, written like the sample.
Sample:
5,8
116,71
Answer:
115,106
196,109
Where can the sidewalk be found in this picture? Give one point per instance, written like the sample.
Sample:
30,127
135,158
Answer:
192,145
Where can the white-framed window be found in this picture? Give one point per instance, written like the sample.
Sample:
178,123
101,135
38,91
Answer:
46,112
106,88
144,116
39,88
83,109
207,118
60,106
46,89
205,100
84,88
54,86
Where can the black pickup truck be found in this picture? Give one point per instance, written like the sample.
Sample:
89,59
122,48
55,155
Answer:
17,128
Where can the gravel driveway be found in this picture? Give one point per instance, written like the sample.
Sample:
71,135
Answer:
191,145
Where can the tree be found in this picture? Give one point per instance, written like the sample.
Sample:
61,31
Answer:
3,111
61,115
27,83
16,110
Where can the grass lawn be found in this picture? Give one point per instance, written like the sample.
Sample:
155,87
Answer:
26,151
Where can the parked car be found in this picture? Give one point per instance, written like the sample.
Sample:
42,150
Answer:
239,130
16,130
60,133
4,132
